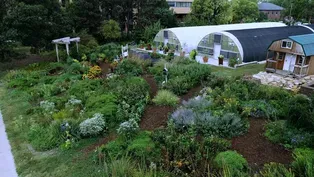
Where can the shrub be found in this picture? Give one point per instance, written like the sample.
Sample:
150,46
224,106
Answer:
259,109
129,68
93,73
303,164
178,85
128,129
214,145
143,148
232,62
290,137
232,160
197,104
300,112
93,126
275,170
79,88
183,117
193,54
115,148
104,104
229,125
44,137
166,98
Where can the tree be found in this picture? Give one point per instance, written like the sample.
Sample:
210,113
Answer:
37,25
111,30
212,12
244,11
87,15
151,31
298,9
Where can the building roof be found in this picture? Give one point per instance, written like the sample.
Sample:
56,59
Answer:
269,6
306,41
189,37
255,42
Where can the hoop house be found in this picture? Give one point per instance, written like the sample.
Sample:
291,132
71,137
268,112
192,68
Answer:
188,38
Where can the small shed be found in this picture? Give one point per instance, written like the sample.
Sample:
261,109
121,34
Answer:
292,55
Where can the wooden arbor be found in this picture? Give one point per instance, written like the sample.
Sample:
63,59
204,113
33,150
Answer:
66,41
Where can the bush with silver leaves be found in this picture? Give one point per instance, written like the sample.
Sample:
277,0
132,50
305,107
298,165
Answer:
128,129
93,126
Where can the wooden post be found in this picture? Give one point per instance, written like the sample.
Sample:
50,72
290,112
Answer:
67,48
77,47
57,51
302,65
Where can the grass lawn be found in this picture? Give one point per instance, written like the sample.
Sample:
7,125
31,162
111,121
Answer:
248,69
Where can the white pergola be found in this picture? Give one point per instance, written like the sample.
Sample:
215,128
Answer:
66,41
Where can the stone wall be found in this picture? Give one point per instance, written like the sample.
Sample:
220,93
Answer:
307,89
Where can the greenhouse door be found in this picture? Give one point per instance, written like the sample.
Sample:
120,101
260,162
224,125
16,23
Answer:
217,49
217,45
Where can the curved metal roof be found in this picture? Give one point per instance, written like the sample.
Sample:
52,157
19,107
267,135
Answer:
255,42
191,36
306,41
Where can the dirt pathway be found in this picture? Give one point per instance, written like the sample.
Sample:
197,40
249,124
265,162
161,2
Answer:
157,116
7,166
257,149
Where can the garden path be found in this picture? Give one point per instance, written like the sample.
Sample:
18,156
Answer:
157,116
257,149
7,166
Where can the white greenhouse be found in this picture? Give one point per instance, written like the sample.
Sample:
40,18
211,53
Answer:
188,38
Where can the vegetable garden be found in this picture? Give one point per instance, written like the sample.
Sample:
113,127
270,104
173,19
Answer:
81,120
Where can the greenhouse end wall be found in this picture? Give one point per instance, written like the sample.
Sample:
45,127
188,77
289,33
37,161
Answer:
216,44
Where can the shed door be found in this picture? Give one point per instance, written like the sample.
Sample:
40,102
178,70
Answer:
289,62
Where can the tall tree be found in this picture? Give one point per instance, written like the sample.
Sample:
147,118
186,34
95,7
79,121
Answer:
212,11
87,15
245,10
38,22
298,9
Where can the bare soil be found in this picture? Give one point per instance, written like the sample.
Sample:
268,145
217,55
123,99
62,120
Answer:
257,149
157,116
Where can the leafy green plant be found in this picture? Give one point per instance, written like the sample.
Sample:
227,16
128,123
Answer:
303,164
129,68
214,145
193,54
104,104
232,62
275,169
234,161
166,98
301,112
128,129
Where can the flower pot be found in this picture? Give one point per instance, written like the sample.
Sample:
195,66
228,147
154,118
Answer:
205,59
149,47
220,61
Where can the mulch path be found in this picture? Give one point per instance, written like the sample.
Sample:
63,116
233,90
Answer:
105,68
157,116
257,149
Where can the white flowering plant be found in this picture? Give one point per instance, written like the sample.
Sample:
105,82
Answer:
128,129
93,126
47,107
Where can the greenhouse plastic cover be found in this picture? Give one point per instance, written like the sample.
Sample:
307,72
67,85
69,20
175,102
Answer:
255,42
190,37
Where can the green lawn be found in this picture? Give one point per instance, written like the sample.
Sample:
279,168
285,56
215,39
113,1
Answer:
248,69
